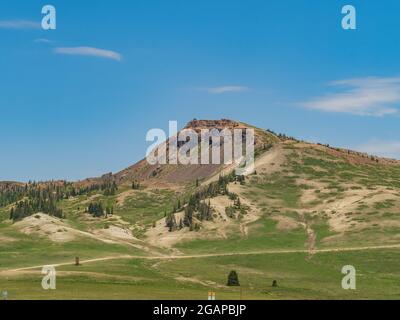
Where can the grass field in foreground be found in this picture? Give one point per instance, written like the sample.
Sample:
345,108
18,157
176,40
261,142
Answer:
378,277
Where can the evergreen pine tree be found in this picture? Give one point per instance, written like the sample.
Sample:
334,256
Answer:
233,279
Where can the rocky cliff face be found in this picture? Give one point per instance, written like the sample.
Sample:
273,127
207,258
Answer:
186,173
197,125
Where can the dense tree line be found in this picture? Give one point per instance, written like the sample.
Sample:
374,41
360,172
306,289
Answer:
97,210
13,192
10,193
109,188
34,197
25,208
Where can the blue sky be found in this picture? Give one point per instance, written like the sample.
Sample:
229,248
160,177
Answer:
77,101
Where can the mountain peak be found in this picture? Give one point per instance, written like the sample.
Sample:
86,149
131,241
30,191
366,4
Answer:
213,124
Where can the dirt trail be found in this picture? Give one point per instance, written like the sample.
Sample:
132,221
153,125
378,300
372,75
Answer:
311,241
252,215
311,235
210,255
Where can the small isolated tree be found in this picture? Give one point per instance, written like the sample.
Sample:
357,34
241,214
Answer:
274,283
233,279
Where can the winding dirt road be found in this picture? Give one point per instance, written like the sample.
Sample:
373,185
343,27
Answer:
210,255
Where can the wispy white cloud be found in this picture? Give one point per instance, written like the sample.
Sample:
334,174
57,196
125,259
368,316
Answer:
371,96
19,24
89,51
42,40
226,89
383,148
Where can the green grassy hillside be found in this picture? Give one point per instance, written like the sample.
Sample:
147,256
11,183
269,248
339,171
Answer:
305,212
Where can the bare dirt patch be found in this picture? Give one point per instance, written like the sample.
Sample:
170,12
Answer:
45,225
271,161
338,209
53,228
286,223
115,232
